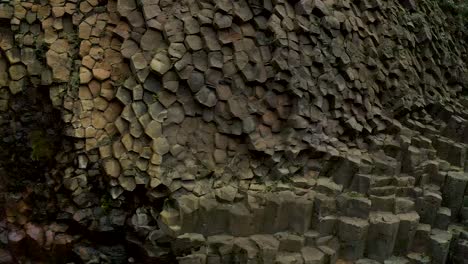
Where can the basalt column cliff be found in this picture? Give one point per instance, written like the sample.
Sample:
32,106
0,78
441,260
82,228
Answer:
233,131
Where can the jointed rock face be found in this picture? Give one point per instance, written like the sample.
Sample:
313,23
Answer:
245,131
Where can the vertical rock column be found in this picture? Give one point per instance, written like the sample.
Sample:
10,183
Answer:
454,189
406,230
382,235
352,233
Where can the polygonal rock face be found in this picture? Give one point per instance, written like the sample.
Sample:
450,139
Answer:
58,62
17,72
206,97
161,146
161,63
112,167
227,112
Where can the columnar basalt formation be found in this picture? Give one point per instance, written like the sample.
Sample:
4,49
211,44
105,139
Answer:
245,131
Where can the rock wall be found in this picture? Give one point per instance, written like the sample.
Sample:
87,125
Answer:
247,131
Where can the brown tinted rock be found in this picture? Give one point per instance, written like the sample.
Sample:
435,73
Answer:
101,74
6,11
112,167
125,7
84,31
59,64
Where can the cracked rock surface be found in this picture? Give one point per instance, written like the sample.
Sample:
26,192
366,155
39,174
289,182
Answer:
247,131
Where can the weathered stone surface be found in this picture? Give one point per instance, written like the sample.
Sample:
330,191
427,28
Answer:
352,233
193,42
59,63
161,145
112,167
206,97
279,116
161,63
101,74
455,185
383,230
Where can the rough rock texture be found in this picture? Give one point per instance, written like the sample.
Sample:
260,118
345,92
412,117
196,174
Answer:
202,131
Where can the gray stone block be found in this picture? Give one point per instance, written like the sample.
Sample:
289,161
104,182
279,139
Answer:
327,225
383,203
244,250
331,255
419,258
323,206
442,220
381,237
352,233
240,220
310,237
406,230
440,245
192,259
268,247
453,192
289,242
421,240
403,205
289,258
353,204
312,255
300,214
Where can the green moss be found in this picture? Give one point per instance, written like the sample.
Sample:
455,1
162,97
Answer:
73,39
459,9
74,83
106,203
465,201
100,9
40,50
355,194
41,145
155,97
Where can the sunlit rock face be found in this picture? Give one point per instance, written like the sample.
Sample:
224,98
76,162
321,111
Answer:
247,131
